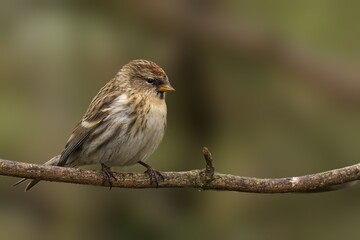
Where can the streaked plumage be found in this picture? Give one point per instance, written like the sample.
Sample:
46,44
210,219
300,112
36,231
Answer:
124,124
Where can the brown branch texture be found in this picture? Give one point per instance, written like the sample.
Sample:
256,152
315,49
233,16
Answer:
206,179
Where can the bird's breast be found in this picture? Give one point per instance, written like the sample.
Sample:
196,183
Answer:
137,132
157,114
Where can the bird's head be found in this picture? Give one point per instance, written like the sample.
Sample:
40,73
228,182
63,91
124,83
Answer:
147,78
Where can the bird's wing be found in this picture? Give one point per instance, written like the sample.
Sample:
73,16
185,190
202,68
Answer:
98,110
78,136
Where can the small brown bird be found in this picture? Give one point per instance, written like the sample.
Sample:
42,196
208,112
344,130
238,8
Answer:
123,125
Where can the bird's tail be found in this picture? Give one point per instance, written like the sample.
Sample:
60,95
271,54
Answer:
53,162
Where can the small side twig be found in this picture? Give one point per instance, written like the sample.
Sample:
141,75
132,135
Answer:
209,169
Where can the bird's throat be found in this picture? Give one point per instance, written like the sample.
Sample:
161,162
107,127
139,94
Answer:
160,95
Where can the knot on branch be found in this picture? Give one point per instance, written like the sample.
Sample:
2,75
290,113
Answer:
208,173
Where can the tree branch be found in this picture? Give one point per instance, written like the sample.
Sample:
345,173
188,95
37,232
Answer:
200,178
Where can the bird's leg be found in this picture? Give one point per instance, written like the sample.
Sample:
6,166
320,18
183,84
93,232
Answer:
107,174
154,175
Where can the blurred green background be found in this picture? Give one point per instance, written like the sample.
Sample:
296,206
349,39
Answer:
271,87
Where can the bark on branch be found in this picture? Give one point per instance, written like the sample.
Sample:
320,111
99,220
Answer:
200,178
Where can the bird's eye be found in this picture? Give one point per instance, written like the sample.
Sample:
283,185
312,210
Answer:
150,80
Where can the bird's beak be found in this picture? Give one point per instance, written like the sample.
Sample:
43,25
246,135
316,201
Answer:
166,88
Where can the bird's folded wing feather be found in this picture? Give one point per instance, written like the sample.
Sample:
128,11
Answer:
96,113
79,135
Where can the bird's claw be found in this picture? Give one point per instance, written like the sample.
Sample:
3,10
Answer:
107,175
154,176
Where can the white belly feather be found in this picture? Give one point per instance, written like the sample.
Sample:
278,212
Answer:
128,149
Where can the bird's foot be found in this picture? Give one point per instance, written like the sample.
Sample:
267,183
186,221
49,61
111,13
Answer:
154,175
107,175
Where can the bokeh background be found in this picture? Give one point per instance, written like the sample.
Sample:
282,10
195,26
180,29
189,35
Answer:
271,87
